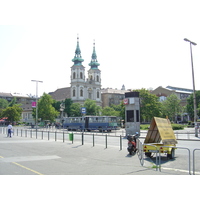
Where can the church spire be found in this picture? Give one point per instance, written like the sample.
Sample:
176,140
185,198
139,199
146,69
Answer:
77,58
94,63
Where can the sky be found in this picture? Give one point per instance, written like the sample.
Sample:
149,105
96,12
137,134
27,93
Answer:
138,43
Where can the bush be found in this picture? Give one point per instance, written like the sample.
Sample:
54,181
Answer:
177,127
174,126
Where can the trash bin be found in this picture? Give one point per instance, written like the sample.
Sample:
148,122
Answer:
71,136
32,126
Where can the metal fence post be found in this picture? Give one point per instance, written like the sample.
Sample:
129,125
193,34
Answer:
82,138
120,142
106,141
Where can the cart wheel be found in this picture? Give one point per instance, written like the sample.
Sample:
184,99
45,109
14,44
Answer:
172,155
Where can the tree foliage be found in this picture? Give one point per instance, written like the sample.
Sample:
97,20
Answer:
12,113
149,105
190,104
91,107
171,107
45,109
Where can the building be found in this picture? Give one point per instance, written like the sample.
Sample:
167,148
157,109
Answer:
26,104
82,87
181,93
112,96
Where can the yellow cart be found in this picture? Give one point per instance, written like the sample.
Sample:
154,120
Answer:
160,138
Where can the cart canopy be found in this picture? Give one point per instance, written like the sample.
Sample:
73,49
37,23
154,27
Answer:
160,129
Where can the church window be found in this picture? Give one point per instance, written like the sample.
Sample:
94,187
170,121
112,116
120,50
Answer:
74,92
81,75
91,77
74,75
97,78
98,94
81,92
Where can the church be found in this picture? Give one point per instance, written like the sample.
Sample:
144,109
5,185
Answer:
82,87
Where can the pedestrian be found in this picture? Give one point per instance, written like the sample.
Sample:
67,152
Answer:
9,130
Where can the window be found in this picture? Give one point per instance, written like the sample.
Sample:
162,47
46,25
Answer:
97,78
81,92
130,115
81,75
137,116
97,94
74,93
74,75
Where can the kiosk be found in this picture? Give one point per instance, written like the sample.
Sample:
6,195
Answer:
132,113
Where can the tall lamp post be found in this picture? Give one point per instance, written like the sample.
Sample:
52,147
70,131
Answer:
36,118
194,95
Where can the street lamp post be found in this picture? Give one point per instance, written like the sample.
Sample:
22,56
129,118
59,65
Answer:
36,117
194,95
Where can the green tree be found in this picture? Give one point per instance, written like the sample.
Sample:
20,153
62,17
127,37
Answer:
13,113
68,104
3,103
75,110
171,107
149,105
109,111
45,109
13,102
91,107
190,104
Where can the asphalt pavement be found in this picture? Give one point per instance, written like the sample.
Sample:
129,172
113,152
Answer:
22,155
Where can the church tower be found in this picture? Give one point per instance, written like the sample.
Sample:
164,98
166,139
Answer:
83,88
77,76
94,79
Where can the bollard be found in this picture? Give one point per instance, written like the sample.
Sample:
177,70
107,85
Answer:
82,139
93,139
42,135
55,136
120,142
63,137
17,132
106,141
48,135
21,132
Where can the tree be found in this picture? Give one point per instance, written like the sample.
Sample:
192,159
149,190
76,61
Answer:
190,104
149,105
13,102
3,103
68,104
45,109
171,107
108,111
75,110
91,107
12,113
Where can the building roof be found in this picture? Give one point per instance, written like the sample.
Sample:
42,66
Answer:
3,94
182,90
61,94
112,91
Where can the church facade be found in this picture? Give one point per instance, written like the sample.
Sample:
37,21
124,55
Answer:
85,87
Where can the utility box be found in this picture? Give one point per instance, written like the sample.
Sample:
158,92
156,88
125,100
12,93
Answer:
132,113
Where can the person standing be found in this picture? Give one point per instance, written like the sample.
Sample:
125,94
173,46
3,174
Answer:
9,130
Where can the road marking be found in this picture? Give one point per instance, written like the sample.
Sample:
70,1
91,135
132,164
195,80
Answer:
27,168
28,158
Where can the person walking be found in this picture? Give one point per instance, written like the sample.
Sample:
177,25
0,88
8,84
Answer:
9,130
